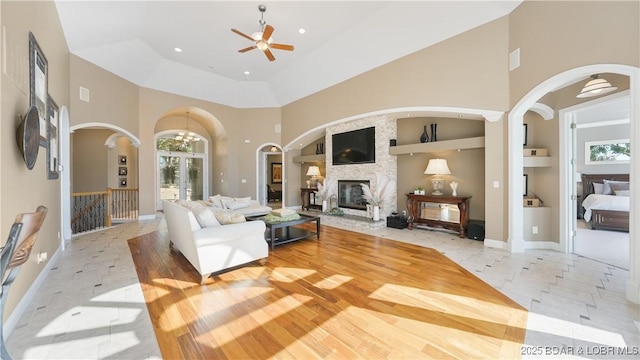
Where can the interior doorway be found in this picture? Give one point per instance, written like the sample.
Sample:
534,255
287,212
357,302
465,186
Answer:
596,121
270,184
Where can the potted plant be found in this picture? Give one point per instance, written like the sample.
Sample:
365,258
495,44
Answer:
380,196
418,190
325,191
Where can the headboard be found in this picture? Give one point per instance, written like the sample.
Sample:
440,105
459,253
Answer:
589,179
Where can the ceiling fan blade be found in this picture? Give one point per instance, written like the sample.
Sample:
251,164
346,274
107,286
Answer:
268,30
282,47
269,55
243,34
247,49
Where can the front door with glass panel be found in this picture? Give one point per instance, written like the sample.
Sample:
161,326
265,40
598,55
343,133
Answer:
181,170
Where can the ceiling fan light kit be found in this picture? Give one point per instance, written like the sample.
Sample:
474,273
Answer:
262,38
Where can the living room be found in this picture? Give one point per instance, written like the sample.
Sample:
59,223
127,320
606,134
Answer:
452,74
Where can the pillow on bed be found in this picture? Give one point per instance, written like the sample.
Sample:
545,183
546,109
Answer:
609,184
622,192
598,188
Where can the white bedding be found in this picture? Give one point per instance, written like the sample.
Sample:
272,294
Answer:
604,202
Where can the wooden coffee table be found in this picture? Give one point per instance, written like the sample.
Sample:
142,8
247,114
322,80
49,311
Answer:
282,232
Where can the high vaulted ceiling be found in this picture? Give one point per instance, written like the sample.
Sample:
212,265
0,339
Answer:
136,40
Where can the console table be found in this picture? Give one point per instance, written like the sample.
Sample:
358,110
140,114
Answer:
306,194
414,203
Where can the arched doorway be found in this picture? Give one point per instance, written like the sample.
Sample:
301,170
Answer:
515,138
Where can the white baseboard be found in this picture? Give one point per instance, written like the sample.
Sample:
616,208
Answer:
542,245
147,217
633,293
495,244
21,308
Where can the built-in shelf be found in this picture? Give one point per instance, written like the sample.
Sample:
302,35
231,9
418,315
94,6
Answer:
309,158
436,146
537,161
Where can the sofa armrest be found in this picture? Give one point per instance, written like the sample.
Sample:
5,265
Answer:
222,233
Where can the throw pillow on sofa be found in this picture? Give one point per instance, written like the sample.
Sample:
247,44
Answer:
229,218
238,204
216,200
205,216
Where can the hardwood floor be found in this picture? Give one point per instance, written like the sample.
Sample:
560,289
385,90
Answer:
347,295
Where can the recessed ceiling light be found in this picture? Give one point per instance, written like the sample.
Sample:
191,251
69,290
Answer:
177,49
247,73
302,30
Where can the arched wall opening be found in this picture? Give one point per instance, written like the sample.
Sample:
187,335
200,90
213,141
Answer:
211,131
515,161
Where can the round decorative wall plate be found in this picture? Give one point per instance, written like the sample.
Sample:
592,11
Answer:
28,137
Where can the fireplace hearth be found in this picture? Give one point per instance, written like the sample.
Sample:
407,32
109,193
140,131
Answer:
350,194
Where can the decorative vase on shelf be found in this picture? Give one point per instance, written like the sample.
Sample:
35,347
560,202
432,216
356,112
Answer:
318,149
425,137
376,213
434,127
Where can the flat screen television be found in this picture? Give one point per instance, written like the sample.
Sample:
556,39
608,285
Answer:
354,147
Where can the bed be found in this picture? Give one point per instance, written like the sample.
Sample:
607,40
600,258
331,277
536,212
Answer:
605,212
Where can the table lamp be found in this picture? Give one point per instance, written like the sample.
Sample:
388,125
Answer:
437,167
314,172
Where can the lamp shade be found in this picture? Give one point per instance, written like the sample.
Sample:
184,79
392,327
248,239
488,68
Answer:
437,167
313,171
596,86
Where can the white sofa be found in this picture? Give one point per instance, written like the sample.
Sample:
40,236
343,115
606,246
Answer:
215,248
245,206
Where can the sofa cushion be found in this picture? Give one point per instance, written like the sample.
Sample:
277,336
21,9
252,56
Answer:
229,217
216,200
205,217
238,204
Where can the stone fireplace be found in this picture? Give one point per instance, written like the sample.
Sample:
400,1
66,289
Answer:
350,194
351,201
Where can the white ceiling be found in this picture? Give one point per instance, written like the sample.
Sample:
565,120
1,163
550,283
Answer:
135,40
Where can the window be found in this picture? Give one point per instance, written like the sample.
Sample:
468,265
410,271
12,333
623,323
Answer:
607,152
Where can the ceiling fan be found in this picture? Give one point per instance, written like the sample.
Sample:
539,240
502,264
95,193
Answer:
262,39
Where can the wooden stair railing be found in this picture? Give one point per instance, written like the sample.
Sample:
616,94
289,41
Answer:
99,209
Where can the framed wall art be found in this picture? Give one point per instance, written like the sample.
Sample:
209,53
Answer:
276,173
122,159
52,140
122,170
525,184
524,133
38,85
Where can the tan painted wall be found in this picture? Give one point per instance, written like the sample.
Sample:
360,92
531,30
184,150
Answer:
113,100
90,160
233,158
467,166
452,73
22,190
555,36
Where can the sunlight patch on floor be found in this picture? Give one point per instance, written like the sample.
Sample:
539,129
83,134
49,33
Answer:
333,282
290,275
550,325
443,302
244,324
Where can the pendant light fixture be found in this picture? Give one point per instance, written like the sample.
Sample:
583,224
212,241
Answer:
596,87
187,136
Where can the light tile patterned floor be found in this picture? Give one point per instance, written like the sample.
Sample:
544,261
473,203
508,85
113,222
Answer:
92,307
